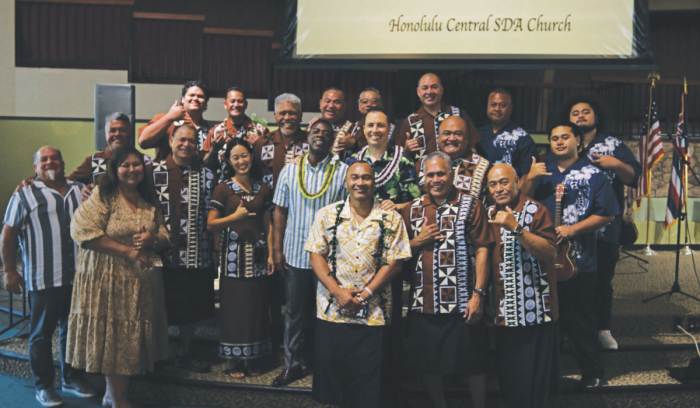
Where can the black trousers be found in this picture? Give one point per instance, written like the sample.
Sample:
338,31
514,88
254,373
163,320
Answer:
608,255
577,321
50,308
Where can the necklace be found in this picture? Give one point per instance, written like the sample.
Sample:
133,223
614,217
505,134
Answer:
384,175
326,179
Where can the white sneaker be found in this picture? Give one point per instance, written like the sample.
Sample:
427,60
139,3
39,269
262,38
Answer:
607,341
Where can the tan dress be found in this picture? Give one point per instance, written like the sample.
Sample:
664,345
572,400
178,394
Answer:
117,322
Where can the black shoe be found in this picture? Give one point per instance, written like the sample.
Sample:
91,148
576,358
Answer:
80,388
288,376
189,362
590,383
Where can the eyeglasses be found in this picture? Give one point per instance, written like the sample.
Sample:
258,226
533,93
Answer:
366,101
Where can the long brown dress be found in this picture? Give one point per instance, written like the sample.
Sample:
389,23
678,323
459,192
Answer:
244,288
117,322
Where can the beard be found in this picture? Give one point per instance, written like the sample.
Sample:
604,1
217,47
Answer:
51,174
586,129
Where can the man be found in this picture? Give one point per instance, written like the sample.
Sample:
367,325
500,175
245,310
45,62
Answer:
369,100
188,111
237,124
450,239
588,204
419,131
469,168
333,109
289,141
275,150
184,188
297,200
356,249
37,221
526,295
503,141
618,162
118,134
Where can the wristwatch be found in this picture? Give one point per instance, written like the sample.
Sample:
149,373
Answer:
480,292
517,231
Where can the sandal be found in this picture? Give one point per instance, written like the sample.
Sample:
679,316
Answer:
235,372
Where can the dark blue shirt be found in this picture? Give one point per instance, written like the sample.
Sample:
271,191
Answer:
607,145
511,145
588,192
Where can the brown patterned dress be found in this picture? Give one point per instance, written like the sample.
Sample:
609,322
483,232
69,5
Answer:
117,322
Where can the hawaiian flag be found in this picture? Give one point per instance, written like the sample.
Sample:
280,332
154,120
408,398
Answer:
650,150
676,195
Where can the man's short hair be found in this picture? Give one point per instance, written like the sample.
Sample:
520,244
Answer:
37,156
565,123
185,126
321,120
199,84
438,155
430,73
332,88
288,98
122,117
370,89
237,89
502,91
599,108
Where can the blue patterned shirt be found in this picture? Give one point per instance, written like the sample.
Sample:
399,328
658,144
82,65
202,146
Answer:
302,211
511,145
588,192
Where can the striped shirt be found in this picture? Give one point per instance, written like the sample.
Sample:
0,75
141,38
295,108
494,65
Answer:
302,211
43,217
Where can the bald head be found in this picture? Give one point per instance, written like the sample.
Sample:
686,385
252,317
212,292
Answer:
453,138
503,185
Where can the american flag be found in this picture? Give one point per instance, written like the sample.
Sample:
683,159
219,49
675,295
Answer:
650,151
676,195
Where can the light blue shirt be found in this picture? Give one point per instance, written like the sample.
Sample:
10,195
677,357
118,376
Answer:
302,211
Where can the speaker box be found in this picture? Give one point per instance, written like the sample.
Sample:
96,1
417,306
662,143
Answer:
108,100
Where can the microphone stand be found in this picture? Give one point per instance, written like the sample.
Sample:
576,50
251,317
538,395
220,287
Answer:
676,287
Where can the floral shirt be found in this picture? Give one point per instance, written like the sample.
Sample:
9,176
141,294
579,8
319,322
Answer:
356,264
401,185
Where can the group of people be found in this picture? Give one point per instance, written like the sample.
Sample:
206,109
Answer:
339,215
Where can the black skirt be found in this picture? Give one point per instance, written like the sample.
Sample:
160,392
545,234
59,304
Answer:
349,364
528,364
445,344
189,295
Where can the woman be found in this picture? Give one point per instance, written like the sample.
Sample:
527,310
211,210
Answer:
395,174
239,209
117,324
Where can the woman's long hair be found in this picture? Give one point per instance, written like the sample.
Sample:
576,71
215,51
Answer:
256,173
109,182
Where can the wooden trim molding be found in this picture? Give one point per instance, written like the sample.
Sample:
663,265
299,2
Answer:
98,2
166,16
627,80
235,31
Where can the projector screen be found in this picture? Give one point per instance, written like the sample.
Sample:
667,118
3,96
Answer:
396,33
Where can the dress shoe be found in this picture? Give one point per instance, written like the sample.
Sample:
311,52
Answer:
590,383
607,341
287,376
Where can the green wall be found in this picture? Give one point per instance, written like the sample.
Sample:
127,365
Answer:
20,139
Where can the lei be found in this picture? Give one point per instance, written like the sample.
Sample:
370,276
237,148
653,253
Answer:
384,175
328,175
378,254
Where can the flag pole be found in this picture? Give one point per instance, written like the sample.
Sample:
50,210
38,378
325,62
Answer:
686,250
648,251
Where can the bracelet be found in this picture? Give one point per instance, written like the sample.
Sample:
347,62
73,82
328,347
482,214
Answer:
368,291
362,301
